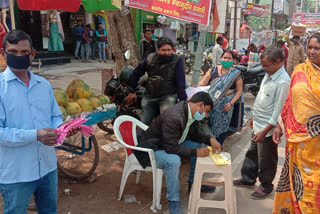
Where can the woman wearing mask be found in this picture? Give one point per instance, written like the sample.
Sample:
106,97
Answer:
226,86
298,189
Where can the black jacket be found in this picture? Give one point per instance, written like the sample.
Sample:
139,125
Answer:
166,130
161,77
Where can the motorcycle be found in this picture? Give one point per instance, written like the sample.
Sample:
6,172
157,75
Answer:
206,63
252,78
188,59
117,89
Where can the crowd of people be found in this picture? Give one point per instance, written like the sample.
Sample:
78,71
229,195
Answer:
179,127
87,39
172,134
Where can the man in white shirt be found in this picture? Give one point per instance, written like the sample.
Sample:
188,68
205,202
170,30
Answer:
262,157
217,52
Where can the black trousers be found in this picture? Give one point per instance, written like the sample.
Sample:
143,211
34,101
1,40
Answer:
261,162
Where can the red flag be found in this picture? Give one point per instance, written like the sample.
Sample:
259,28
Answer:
215,17
66,5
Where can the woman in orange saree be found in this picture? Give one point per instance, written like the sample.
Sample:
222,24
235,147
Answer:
298,189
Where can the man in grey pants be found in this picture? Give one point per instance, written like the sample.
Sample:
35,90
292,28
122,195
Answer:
262,157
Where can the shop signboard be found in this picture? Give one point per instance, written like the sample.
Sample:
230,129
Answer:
311,20
242,44
196,11
278,6
256,10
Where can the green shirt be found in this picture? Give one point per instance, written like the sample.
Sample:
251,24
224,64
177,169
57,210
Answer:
186,130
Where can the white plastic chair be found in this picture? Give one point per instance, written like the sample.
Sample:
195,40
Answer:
125,130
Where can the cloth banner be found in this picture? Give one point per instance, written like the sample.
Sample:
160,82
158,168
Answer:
196,11
4,4
69,5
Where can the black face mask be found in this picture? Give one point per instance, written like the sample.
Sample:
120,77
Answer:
18,62
165,59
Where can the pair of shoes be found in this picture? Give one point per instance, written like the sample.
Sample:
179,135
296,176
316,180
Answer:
259,194
204,188
76,57
241,183
175,207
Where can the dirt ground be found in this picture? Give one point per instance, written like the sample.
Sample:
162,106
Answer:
100,196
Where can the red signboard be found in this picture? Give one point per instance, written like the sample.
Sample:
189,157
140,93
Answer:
256,10
311,20
66,5
196,11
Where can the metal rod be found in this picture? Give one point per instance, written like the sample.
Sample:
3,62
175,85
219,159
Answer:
235,23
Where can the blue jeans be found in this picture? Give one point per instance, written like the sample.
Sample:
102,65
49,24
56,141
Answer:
171,165
76,52
85,49
93,49
102,49
17,196
152,106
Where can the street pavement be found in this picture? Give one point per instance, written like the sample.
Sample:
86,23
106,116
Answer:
236,145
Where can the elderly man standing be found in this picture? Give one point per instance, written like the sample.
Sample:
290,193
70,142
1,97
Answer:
296,53
28,160
262,157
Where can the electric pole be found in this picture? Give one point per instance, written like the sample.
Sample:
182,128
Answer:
235,23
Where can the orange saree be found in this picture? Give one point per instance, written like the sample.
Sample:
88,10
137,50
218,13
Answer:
298,190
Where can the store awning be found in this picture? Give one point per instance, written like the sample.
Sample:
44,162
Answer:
96,5
66,5
4,3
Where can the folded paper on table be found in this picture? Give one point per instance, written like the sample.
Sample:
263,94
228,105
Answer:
218,158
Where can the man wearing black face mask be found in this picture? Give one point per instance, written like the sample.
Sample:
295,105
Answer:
29,115
166,81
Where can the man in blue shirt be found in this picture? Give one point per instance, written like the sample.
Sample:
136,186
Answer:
102,36
29,115
78,30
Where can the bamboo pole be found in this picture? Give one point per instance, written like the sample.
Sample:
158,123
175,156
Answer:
13,23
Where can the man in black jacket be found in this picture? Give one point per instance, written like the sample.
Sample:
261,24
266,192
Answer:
180,132
166,81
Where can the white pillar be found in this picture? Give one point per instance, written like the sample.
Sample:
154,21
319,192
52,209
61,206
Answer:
232,28
13,23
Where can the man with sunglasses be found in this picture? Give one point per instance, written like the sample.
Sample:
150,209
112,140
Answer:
262,157
29,115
